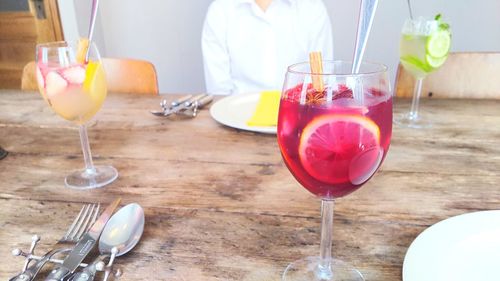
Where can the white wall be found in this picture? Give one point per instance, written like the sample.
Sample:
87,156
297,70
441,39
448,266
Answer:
69,20
167,32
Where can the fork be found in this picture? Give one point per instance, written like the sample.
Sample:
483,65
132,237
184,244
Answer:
81,224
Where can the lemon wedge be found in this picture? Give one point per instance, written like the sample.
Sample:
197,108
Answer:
95,81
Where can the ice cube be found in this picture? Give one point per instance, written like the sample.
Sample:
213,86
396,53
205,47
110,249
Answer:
54,84
74,74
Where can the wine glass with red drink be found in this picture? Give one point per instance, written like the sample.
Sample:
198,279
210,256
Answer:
333,137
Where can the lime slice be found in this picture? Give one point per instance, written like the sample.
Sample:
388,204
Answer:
438,43
435,62
414,65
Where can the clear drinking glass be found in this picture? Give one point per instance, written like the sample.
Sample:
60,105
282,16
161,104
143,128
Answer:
424,47
333,140
75,90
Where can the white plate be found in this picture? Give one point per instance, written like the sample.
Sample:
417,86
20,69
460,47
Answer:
235,110
461,248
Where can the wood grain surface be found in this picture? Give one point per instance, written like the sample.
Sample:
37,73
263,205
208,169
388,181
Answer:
221,205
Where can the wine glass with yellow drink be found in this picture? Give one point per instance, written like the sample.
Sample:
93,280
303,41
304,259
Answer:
72,81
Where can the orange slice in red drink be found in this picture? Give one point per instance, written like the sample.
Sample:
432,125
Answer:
341,148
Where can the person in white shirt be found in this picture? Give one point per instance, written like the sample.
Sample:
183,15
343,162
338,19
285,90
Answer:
247,45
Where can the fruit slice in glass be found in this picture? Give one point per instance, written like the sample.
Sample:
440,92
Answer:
336,148
75,90
333,142
424,47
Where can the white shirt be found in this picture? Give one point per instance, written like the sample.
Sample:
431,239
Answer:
248,50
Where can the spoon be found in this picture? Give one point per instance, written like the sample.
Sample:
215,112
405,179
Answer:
95,5
366,14
409,9
122,232
365,20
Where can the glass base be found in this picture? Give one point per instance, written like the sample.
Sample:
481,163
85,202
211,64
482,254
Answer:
410,121
85,179
308,269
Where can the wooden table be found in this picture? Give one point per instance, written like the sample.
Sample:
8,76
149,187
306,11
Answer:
221,205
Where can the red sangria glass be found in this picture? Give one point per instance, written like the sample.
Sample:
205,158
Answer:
333,140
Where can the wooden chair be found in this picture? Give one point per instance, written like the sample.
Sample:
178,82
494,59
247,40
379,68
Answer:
131,76
122,76
28,80
463,75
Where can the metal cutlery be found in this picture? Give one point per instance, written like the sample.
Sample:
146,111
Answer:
177,102
184,106
193,109
165,106
409,9
89,272
365,20
83,221
84,246
93,16
195,102
122,232
117,234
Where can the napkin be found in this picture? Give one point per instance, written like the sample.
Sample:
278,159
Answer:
266,112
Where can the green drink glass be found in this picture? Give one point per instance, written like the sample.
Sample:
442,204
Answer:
424,47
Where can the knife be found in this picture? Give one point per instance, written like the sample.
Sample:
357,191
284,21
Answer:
187,104
84,246
173,104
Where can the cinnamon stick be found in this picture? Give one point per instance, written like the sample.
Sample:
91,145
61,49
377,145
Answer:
316,63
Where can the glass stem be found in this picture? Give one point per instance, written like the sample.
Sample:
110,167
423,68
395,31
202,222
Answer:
87,156
416,99
324,270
